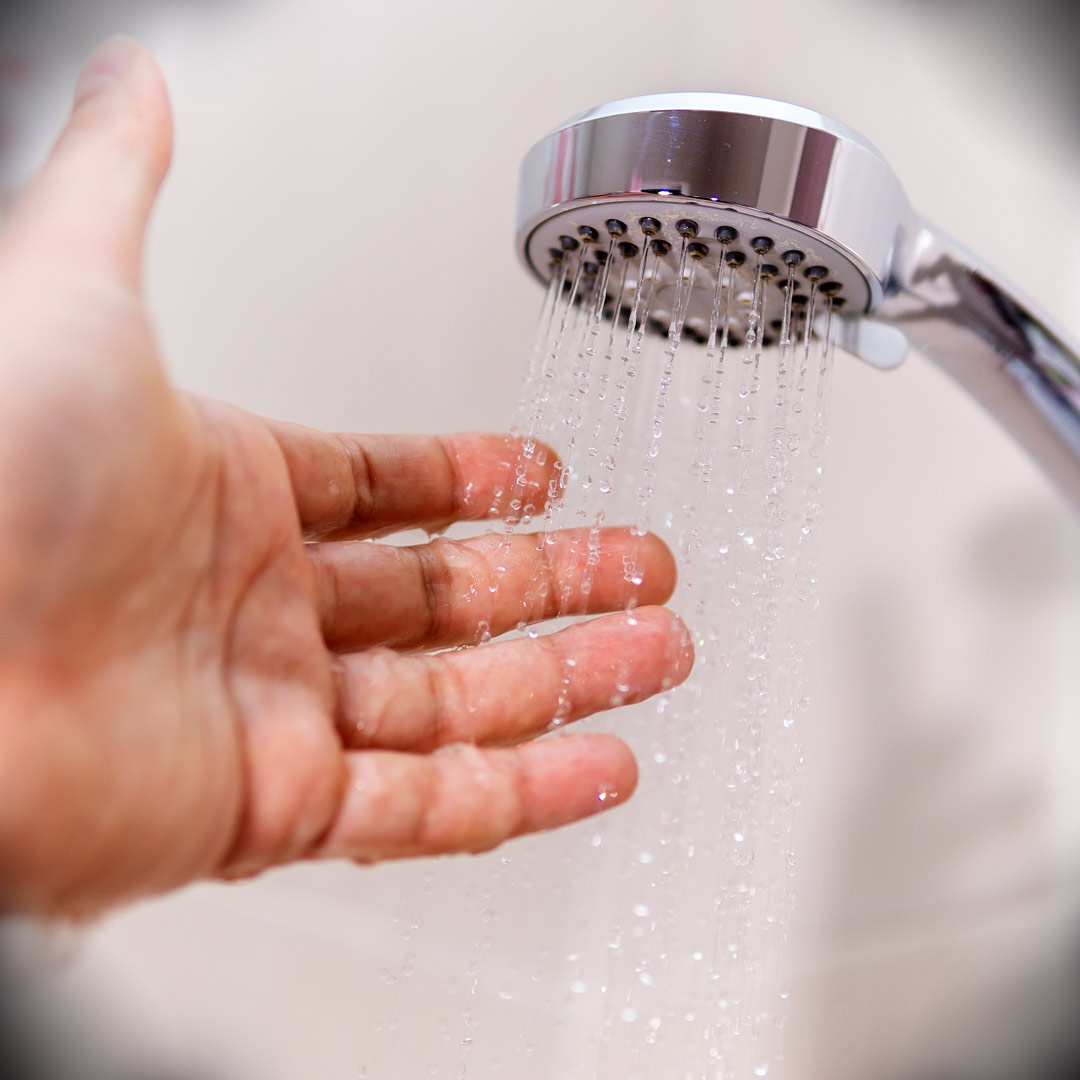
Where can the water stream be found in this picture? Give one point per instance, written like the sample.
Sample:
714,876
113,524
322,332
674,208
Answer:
648,944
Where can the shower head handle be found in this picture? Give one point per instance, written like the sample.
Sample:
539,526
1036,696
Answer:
1010,356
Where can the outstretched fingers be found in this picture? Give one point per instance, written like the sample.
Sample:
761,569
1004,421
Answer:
349,486
507,692
446,592
468,800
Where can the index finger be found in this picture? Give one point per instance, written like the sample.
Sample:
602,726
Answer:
349,486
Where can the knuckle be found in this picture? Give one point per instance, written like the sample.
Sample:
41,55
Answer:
437,581
449,700
364,706
458,487
458,580
357,464
328,583
473,805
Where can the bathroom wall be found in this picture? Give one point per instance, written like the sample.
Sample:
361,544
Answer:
940,837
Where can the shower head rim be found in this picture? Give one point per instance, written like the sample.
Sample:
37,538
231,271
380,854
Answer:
724,102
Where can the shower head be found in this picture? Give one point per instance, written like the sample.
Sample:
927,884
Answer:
743,178
740,183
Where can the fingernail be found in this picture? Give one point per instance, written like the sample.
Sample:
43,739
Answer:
110,61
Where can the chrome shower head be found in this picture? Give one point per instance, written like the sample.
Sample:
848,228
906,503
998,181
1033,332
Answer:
748,182
744,178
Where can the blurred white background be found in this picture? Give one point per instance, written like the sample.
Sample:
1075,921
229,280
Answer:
939,909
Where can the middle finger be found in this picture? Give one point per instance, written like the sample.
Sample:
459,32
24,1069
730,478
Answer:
448,592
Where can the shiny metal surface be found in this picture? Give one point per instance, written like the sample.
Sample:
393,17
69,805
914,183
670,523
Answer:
718,151
818,184
999,346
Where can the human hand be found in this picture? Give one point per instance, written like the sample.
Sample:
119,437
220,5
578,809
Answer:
207,668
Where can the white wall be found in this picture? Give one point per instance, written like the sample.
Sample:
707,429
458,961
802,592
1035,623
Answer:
335,245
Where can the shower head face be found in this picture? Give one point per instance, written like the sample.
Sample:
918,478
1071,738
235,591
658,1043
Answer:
757,180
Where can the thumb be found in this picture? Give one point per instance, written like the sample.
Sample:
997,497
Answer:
92,200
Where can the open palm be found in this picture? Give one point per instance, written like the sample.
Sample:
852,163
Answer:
206,666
